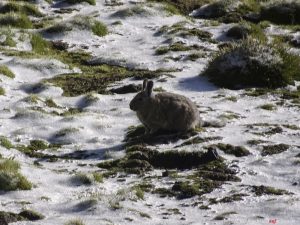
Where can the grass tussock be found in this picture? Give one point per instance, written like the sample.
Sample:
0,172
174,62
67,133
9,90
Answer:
99,29
182,6
5,142
74,222
15,20
281,12
10,177
253,63
23,8
2,91
133,11
6,71
39,45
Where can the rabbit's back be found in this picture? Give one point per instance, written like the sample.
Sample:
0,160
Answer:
175,112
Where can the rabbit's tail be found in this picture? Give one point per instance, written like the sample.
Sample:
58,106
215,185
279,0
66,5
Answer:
212,123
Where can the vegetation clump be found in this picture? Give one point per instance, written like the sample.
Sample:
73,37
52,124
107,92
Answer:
6,71
266,190
10,177
269,107
9,217
4,142
139,159
9,41
184,6
91,2
238,151
214,10
252,63
15,20
206,178
180,30
136,10
274,149
96,78
281,12
2,91
175,47
24,8
99,29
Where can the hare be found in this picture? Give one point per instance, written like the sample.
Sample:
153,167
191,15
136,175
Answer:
164,111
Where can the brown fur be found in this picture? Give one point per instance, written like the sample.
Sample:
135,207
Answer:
165,111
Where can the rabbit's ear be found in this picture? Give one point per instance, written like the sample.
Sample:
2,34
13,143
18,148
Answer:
145,82
149,88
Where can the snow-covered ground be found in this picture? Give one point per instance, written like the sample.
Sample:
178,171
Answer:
99,131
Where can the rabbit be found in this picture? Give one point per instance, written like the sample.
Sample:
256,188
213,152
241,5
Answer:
164,111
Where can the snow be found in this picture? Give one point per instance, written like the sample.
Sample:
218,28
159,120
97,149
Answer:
100,130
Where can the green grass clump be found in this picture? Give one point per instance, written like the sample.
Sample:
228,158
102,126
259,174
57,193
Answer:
91,2
175,47
4,142
253,63
98,177
269,107
38,145
6,71
10,178
26,8
2,91
267,190
82,179
99,29
15,20
51,103
74,222
171,9
39,45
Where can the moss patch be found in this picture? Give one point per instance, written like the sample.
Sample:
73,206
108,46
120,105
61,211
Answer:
274,149
204,180
266,190
136,135
175,47
139,159
180,30
238,151
199,140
